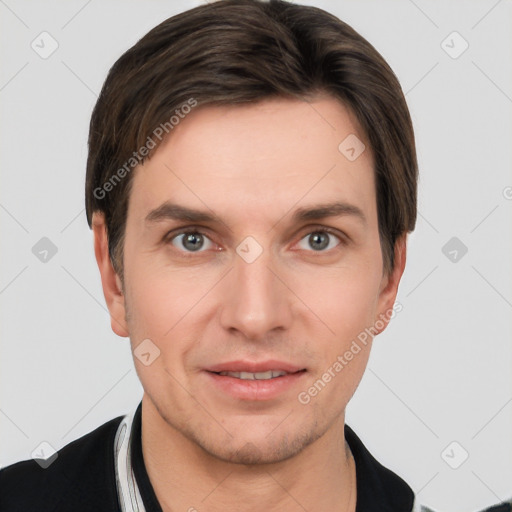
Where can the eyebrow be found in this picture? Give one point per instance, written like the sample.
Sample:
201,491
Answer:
336,209
173,211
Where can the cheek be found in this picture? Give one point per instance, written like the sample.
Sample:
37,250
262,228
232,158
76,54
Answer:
347,306
158,312
166,303
156,295
344,300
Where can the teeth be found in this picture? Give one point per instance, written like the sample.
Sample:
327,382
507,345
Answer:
271,374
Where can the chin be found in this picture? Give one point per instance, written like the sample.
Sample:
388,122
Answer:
252,450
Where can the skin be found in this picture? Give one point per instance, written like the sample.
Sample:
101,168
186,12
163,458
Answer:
253,166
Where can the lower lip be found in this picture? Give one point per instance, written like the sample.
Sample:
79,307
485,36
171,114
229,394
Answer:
256,390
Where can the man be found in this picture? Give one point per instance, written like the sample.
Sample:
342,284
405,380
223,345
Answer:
251,182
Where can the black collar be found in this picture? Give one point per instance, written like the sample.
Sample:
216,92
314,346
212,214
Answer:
378,488
145,488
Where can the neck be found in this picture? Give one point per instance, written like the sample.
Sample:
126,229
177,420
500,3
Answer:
185,477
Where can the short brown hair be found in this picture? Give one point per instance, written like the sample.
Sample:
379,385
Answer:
239,51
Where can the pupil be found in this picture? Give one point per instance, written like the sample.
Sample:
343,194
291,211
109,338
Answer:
193,241
318,240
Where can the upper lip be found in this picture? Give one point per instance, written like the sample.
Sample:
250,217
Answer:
254,366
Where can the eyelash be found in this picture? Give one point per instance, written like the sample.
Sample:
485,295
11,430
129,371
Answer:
169,237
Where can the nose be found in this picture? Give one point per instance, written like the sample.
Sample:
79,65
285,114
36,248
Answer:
256,300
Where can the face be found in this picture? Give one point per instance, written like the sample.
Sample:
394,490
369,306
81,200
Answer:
252,262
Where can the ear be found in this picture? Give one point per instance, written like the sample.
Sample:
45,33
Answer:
110,281
389,285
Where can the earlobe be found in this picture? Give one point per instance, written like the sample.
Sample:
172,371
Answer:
110,281
390,282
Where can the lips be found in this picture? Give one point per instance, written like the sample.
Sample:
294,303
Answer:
270,374
255,367
254,381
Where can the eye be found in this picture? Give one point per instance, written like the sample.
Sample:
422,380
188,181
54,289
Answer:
320,240
191,241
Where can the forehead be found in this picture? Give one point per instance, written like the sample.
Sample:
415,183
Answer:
262,157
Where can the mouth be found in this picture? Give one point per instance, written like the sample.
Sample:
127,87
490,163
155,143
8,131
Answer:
270,374
254,381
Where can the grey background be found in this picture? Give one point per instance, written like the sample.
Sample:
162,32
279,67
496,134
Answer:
440,373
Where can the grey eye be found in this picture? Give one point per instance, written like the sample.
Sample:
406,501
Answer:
319,240
191,241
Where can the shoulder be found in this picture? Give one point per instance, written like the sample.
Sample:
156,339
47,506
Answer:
378,488
504,506
80,478
381,490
